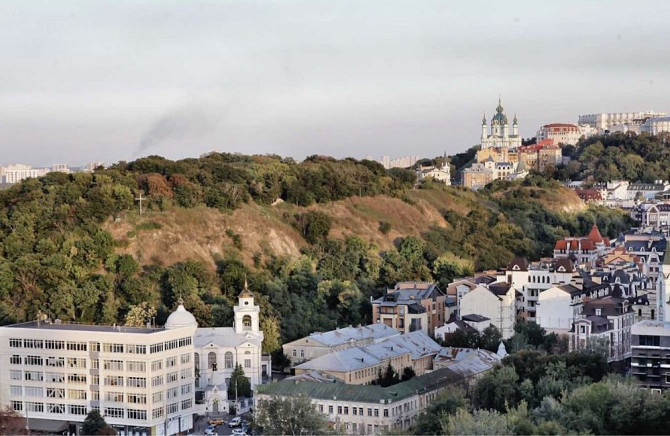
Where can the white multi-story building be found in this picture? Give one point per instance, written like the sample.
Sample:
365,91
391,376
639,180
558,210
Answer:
401,162
496,302
608,319
500,135
16,173
603,122
141,379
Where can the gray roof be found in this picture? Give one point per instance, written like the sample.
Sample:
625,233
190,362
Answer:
652,328
409,292
344,335
223,337
42,325
473,317
362,393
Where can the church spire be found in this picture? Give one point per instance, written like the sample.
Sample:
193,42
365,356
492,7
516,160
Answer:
515,121
484,119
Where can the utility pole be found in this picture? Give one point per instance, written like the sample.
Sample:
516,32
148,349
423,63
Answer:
140,199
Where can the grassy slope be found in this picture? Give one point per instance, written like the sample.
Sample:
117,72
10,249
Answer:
199,233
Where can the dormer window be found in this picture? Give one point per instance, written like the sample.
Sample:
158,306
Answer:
599,312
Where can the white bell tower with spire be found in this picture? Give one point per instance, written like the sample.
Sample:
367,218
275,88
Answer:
246,312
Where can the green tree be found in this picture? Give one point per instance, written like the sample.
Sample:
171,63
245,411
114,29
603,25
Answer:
239,385
290,416
480,422
140,314
95,424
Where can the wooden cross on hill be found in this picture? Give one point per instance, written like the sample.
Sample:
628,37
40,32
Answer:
140,199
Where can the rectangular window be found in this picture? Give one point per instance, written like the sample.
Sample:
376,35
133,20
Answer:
186,404
346,410
34,360
15,359
369,412
15,343
247,363
76,394
77,410
113,365
95,363
376,412
185,389
36,392
157,397
137,414
172,377
170,362
321,408
330,409
137,349
15,374
114,397
55,393
157,413
17,405
95,379
137,398
16,390
33,343
172,393
172,408
156,365
354,410
55,377
95,395
295,353
339,410
112,348
94,346
57,362
134,366
76,378
136,382
386,412
113,380
77,346
54,345
186,373
34,407
56,408
360,411
185,358
76,362
33,375
157,381
114,412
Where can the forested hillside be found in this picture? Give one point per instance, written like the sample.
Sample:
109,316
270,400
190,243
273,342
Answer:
315,239
627,156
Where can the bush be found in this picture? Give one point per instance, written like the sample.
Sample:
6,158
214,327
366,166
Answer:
384,227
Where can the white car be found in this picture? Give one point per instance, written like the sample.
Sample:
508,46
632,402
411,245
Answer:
238,432
235,422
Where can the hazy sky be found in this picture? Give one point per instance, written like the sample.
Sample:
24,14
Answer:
96,80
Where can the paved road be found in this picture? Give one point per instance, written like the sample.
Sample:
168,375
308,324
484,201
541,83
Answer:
221,430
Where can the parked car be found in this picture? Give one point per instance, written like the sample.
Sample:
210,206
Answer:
211,427
235,422
216,421
238,432
210,432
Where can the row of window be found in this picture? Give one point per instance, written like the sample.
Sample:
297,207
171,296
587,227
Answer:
170,345
56,362
39,392
73,409
48,344
50,377
228,359
373,412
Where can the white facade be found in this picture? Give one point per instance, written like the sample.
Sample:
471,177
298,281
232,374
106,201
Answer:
603,121
139,378
555,311
500,134
499,308
656,125
401,162
561,133
18,172
219,349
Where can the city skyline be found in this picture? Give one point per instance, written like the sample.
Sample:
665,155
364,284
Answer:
116,81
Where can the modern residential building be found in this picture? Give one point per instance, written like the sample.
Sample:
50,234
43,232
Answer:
319,344
411,306
606,121
651,354
401,162
608,320
141,379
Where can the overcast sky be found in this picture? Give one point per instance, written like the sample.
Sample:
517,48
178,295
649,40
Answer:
110,81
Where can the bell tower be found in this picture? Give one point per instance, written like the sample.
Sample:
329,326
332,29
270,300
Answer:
246,312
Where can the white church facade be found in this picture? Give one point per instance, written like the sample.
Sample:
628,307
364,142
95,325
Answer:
500,135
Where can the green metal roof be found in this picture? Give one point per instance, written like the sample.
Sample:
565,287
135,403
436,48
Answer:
361,393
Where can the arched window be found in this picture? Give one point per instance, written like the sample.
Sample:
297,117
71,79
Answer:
246,322
229,359
211,360
196,360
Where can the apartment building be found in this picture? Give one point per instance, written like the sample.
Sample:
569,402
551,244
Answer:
650,344
608,320
411,306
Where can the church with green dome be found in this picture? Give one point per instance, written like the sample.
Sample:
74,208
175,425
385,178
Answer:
499,135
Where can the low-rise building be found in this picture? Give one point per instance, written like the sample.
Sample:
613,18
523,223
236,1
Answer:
496,301
321,343
476,176
560,133
362,365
